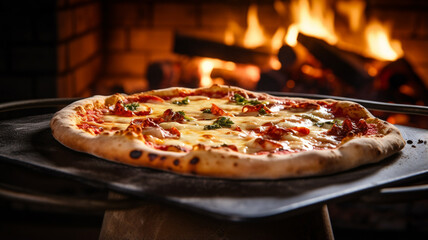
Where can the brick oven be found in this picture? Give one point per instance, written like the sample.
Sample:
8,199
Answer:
78,48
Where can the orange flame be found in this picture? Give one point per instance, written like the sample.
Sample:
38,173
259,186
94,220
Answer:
278,39
292,33
254,36
232,30
379,43
314,19
205,68
354,11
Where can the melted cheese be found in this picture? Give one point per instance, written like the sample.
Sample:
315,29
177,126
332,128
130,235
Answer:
193,133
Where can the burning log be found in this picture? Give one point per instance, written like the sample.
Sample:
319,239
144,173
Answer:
397,80
192,46
347,67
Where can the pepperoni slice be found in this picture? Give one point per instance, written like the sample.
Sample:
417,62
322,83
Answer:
216,110
351,128
120,110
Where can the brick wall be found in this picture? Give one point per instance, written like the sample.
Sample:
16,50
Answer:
79,47
49,48
141,32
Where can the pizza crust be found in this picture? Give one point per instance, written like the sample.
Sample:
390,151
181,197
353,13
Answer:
225,163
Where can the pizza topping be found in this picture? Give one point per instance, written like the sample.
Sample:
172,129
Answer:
259,108
307,105
147,122
150,126
145,99
261,144
274,132
184,101
170,116
94,129
296,124
129,110
206,110
182,113
131,106
161,133
91,116
240,100
179,116
219,123
320,122
351,128
218,111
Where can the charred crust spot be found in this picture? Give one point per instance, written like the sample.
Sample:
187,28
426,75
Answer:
135,154
176,162
194,160
193,172
152,156
163,158
235,164
377,151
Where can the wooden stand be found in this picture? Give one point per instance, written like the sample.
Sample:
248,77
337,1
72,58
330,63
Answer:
156,221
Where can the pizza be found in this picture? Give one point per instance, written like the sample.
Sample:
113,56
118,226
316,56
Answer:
226,132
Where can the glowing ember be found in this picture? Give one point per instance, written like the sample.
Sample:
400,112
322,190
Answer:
254,36
379,44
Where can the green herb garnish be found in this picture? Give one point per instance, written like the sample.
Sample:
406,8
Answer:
311,117
207,110
240,100
185,101
211,127
219,123
318,122
182,113
321,124
262,111
131,106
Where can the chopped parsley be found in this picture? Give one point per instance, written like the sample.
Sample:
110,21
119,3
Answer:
182,113
262,111
338,122
240,100
219,123
131,106
206,110
185,101
311,117
319,123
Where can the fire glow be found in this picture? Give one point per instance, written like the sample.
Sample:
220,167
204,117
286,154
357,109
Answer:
379,44
312,18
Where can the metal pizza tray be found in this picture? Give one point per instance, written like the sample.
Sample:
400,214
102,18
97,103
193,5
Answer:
28,142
